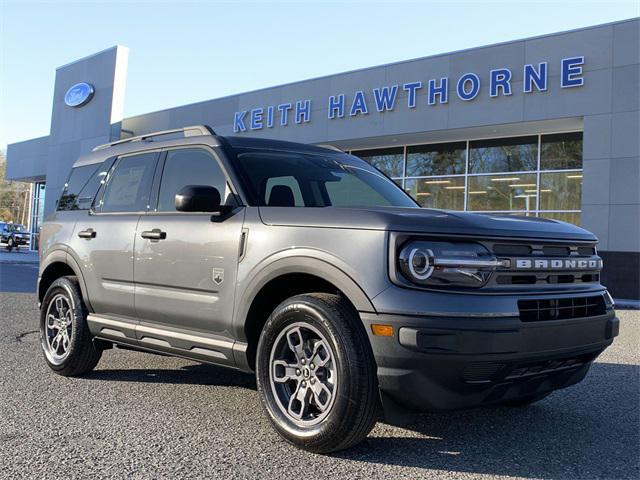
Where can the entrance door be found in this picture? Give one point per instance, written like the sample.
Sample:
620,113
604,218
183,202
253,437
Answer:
186,263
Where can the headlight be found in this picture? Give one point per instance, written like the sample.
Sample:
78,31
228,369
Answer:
447,264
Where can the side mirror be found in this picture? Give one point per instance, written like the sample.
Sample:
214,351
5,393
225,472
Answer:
199,198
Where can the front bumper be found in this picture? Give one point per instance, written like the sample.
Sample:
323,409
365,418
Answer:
445,363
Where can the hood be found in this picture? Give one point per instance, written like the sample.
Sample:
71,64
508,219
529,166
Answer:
424,220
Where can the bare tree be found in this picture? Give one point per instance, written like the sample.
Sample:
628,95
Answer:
14,197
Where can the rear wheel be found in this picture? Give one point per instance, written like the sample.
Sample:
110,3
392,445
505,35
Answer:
66,342
316,373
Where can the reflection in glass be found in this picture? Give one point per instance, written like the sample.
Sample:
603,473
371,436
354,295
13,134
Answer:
570,217
502,192
446,193
503,155
561,151
560,191
388,160
436,159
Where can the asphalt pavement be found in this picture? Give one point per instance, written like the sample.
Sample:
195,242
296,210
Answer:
18,270
18,277
147,416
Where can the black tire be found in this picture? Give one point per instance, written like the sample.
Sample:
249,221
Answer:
10,244
526,401
82,354
354,407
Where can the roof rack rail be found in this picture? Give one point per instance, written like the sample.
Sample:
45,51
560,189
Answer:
193,131
329,147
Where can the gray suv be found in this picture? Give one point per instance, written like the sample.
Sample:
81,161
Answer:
312,269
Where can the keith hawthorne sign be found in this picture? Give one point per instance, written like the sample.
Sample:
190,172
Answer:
433,92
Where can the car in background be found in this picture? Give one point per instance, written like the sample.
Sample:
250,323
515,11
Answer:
14,235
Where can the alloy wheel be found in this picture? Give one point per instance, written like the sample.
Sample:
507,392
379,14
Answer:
303,374
58,328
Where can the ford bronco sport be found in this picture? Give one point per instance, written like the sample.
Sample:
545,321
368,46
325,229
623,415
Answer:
311,268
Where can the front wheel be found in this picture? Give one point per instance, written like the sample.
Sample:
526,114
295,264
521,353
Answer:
316,373
66,342
10,244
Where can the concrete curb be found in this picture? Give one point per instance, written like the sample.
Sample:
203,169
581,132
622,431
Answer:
623,303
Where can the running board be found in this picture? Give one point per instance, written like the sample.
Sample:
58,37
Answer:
192,345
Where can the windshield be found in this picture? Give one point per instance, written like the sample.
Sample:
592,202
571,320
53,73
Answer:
18,228
280,178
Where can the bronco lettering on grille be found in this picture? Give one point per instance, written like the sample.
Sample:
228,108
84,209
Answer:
558,264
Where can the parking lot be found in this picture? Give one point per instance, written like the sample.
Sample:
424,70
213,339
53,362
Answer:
147,416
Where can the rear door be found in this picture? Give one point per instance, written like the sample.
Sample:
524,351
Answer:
104,239
186,263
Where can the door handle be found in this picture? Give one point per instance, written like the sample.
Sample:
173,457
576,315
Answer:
88,233
155,234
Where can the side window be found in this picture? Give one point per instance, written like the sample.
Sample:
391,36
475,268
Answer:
190,166
79,191
77,180
287,191
129,186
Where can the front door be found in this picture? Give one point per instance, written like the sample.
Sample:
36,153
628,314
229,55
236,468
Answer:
185,264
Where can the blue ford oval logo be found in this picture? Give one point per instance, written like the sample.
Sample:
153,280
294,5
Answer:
79,94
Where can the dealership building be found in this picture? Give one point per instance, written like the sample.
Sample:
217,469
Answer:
546,126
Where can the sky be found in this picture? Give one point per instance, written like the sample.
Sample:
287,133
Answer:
185,51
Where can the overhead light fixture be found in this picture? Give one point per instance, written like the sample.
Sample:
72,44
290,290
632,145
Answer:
532,191
519,185
422,194
506,179
479,192
546,190
574,176
461,187
434,182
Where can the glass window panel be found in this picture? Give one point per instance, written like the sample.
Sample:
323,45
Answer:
570,217
561,151
445,193
192,166
130,184
502,192
388,160
436,159
77,180
287,181
503,155
560,191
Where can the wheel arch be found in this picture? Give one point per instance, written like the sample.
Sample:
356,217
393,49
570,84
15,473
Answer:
282,279
60,264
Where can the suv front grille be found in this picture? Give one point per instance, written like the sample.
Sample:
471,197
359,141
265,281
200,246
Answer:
560,264
561,308
550,279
